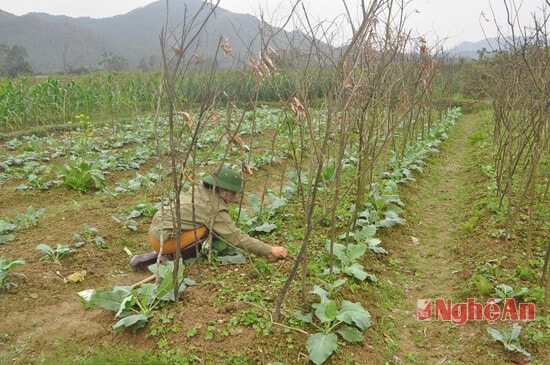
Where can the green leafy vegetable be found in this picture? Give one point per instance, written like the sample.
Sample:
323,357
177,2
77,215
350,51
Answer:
509,339
53,254
5,266
134,305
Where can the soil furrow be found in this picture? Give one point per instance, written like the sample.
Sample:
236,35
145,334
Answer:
427,263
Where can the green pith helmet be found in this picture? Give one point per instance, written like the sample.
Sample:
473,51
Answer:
226,178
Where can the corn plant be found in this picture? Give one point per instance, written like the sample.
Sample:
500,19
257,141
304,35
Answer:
5,274
27,101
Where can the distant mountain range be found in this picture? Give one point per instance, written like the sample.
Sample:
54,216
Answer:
471,49
57,43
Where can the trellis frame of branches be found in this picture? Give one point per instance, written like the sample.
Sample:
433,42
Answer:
384,80
518,87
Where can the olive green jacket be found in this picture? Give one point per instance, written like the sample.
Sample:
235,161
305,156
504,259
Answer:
210,211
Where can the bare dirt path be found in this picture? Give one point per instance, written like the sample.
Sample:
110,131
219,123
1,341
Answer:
428,259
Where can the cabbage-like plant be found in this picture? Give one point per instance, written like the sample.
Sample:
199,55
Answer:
5,266
135,304
346,322
509,339
80,175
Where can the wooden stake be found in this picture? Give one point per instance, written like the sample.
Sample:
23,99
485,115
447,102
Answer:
146,280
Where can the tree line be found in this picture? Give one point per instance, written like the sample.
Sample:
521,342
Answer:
13,61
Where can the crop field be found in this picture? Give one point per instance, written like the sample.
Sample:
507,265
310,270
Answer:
77,202
411,192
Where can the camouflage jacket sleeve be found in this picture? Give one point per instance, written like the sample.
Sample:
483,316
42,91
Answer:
225,228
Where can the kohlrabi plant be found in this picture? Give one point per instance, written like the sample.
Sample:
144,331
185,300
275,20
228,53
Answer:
345,320
135,304
262,213
53,254
90,235
5,274
383,207
30,217
138,210
366,235
346,260
504,292
6,228
509,339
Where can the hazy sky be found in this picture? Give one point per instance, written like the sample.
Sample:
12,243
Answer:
454,20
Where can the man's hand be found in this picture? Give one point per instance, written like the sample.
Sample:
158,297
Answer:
279,252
